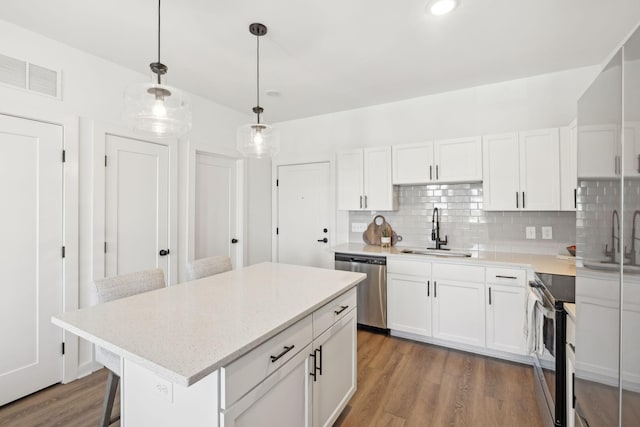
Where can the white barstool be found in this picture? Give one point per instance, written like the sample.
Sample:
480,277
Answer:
110,289
209,266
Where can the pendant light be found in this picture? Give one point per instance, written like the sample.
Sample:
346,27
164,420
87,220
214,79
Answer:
156,107
258,139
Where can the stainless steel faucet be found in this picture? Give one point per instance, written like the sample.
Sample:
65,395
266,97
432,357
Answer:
435,230
611,253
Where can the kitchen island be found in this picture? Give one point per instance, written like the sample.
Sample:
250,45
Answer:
232,348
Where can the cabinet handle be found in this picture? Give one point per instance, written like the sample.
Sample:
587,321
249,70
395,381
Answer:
164,252
523,200
428,286
435,289
437,173
505,277
573,389
285,351
320,367
365,201
638,163
489,295
517,199
575,197
313,374
360,202
342,308
430,173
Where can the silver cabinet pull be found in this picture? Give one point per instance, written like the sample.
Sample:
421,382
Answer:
505,277
437,173
360,202
517,199
365,201
489,295
431,172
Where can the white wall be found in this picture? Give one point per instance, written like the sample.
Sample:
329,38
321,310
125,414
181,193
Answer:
547,100
93,89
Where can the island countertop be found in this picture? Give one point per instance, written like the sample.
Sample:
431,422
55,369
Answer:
185,332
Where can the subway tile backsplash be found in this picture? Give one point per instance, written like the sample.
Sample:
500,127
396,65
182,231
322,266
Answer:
466,224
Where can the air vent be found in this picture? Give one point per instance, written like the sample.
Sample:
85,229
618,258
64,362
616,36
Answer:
31,77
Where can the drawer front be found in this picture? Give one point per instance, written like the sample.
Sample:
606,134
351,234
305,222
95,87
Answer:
458,272
506,276
333,311
411,268
571,332
243,374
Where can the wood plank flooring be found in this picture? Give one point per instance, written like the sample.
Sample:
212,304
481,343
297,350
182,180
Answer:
400,383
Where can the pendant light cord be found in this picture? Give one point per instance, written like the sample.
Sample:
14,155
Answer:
258,74
159,79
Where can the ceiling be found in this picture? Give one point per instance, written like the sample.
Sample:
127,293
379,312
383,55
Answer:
333,55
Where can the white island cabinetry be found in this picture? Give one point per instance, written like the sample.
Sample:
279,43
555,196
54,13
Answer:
270,344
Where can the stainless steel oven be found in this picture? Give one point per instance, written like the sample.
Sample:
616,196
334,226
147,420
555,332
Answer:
550,366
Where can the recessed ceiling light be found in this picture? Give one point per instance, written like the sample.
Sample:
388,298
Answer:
441,7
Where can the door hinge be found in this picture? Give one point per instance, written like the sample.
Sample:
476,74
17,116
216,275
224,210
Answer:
63,252
105,161
277,230
277,183
64,156
63,348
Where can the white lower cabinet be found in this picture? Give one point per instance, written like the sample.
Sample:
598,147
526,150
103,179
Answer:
506,292
333,371
458,311
289,387
409,304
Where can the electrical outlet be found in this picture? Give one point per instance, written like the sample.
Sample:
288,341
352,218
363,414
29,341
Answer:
547,232
531,232
358,227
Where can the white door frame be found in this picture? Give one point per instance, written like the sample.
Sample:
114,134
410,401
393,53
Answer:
191,213
70,131
300,160
100,132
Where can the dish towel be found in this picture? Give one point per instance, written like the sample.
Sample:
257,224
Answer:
534,323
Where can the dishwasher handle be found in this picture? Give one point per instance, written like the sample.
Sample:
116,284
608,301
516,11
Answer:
361,259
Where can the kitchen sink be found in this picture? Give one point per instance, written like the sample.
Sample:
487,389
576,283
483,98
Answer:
437,252
610,266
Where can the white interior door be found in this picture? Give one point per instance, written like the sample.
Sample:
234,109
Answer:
31,226
215,228
137,206
304,214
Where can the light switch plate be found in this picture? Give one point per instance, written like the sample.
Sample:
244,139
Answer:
531,232
358,227
547,232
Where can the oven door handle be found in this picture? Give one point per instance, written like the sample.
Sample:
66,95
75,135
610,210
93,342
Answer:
537,288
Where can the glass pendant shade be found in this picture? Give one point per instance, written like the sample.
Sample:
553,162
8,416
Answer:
258,140
159,109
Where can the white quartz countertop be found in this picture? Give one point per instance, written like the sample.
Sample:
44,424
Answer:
187,331
570,308
540,263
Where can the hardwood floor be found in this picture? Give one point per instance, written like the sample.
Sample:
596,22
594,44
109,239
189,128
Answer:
404,383
400,383
77,404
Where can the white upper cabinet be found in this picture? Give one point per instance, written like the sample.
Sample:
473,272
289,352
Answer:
442,161
631,148
522,171
598,155
568,166
364,180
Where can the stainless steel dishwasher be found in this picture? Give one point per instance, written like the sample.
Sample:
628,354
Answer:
372,292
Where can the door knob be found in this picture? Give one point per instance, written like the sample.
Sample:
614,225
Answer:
325,240
234,240
163,252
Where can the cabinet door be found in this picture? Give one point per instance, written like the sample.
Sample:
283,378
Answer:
409,304
458,312
571,369
413,163
540,170
505,305
282,399
631,149
378,189
568,167
350,180
458,160
598,151
335,381
501,172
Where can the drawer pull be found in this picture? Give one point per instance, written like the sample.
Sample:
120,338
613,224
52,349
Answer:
315,367
285,351
505,277
342,308
319,367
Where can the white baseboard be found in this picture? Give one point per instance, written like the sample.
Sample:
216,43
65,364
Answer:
518,358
